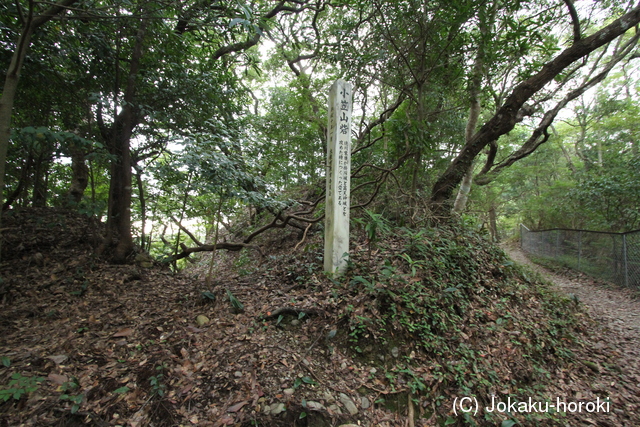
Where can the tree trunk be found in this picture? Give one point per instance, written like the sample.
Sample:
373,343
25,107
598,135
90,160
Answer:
417,168
8,95
507,116
119,212
486,27
79,178
183,209
143,206
493,224
40,180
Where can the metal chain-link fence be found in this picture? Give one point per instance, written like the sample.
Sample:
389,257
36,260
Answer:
614,257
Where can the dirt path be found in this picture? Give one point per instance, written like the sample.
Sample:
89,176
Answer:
613,306
615,338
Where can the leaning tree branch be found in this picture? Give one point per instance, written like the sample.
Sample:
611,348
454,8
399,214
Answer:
281,221
187,232
241,46
209,248
505,118
383,117
541,135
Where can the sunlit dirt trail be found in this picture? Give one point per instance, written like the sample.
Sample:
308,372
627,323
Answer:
616,307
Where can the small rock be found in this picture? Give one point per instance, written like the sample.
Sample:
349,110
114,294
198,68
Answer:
57,379
202,320
315,406
348,404
58,360
394,352
364,402
288,391
276,408
594,367
238,374
335,409
295,322
328,397
38,258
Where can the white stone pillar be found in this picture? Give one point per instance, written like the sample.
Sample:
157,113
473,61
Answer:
336,235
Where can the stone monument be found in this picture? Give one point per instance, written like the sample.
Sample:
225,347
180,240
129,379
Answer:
336,234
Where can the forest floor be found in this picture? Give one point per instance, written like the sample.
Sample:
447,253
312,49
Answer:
88,343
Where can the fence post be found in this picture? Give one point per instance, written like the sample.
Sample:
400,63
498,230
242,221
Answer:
579,248
624,255
557,242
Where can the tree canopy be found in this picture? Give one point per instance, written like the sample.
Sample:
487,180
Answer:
149,113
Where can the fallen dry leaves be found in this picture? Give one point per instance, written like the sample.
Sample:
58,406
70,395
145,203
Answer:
125,339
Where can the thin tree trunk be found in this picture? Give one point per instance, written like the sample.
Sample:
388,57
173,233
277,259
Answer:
183,208
40,180
13,77
486,26
567,157
92,179
493,224
417,168
79,178
209,279
143,206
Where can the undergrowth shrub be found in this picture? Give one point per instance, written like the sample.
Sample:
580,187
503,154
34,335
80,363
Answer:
444,310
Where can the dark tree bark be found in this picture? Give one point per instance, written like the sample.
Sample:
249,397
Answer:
80,176
143,205
508,114
41,179
118,139
493,224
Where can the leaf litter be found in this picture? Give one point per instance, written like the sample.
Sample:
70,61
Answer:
303,350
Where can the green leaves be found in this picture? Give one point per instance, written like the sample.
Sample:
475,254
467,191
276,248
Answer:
235,303
208,295
75,399
157,381
19,386
303,380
